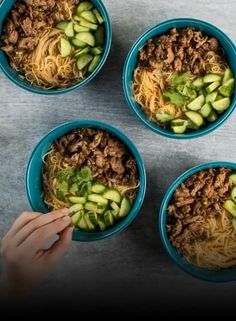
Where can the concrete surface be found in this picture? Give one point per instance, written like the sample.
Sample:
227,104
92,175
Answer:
131,269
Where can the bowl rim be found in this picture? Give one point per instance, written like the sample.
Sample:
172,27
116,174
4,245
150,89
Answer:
68,126
40,91
161,220
134,106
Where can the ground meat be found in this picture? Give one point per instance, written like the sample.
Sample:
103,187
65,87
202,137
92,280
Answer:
108,158
200,196
181,50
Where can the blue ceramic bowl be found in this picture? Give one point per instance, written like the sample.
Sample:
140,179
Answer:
131,61
200,273
34,170
5,7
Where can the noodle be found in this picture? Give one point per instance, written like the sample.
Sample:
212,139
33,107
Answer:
218,250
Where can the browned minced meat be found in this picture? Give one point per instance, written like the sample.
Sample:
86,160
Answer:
24,23
180,50
108,158
200,196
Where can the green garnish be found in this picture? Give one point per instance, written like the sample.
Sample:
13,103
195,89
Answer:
175,98
178,79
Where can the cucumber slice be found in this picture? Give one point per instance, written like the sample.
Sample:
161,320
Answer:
79,28
205,110
75,208
98,16
83,61
101,223
114,206
93,218
108,218
88,24
227,88
115,209
98,188
77,43
211,78
125,207
89,16
84,6
230,206
221,105
86,37
233,194
195,117
94,63
234,223
219,97
91,206
163,116
69,31
81,52
96,50
112,195
76,217
91,227
99,36
227,75
77,199
212,87
198,83
65,48
197,103
101,208
212,117
179,129
232,178
82,224
191,125
178,122
211,97
96,198
62,25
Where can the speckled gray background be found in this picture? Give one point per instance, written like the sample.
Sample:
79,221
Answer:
132,268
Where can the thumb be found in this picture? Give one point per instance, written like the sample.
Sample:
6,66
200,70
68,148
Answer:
61,245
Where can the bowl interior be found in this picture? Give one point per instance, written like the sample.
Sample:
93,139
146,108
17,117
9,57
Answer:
132,59
5,7
204,274
34,170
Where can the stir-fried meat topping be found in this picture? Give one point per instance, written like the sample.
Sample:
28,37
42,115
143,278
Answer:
25,23
108,158
200,196
180,50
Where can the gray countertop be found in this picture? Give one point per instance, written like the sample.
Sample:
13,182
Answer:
132,267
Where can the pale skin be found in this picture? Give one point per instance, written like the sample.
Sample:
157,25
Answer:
25,263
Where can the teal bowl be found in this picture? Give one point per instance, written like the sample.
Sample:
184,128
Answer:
5,7
131,62
200,273
34,181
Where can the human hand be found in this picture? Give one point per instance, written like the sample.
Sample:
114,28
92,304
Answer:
25,263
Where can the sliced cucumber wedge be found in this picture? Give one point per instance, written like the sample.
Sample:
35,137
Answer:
84,6
227,75
233,194
197,103
227,88
163,116
82,224
86,37
77,199
66,48
179,129
90,206
89,16
211,97
91,227
211,78
82,52
205,110
232,178
69,31
212,87
76,217
98,188
191,125
198,83
83,61
77,43
112,195
93,218
79,28
101,223
62,25
195,117
109,219
98,16
96,198
212,117
75,208
88,24
125,207
221,105
96,50
230,206
94,63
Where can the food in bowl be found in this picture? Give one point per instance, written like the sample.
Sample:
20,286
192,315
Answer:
201,219
182,80
94,174
53,44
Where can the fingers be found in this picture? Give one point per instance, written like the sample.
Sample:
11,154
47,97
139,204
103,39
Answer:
60,246
37,223
42,234
19,223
